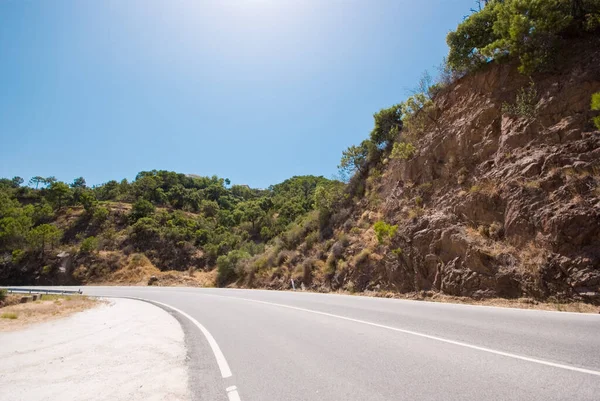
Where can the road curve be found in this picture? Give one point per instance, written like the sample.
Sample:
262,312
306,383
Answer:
305,346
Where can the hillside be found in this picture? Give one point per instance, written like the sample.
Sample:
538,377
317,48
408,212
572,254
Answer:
490,204
162,221
484,183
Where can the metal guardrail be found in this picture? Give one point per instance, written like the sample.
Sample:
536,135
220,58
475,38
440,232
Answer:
40,291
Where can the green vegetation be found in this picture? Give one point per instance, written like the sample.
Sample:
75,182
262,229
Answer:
530,30
384,231
354,159
3,294
388,123
227,265
596,107
43,236
525,104
403,150
9,315
177,221
89,245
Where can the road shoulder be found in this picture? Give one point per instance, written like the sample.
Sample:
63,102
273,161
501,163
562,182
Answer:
123,350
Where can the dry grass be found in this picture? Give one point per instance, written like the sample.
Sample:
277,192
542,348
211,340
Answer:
138,269
518,303
533,184
486,187
17,316
206,279
11,299
183,279
494,248
532,258
415,212
362,258
117,206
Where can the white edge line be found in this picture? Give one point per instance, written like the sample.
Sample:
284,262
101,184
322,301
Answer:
221,361
423,335
232,393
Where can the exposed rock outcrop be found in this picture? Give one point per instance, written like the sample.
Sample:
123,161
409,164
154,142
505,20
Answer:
491,204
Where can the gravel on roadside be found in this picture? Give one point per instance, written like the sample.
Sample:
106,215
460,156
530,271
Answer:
122,350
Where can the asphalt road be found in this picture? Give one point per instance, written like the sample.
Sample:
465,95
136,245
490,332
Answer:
305,346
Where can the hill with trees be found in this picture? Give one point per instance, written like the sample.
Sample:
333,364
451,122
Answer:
484,182
179,222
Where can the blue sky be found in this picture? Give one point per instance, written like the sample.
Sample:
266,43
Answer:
253,90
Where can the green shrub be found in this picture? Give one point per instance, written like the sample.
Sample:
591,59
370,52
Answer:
3,294
415,212
86,198
89,245
355,230
144,232
17,255
419,110
9,315
330,264
384,231
226,266
525,104
596,107
311,239
403,150
100,215
293,236
398,252
328,198
307,268
43,212
268,260
142,208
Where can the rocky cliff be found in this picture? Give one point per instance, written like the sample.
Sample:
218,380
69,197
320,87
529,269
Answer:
492,203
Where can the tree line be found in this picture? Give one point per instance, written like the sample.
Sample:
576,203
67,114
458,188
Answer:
178,220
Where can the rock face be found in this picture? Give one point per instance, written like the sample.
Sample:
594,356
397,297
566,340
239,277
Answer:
492,204
512,205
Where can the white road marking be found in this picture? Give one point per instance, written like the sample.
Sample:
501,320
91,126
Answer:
232,393
221,361
423,335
